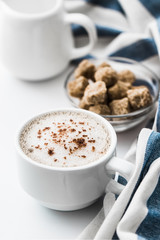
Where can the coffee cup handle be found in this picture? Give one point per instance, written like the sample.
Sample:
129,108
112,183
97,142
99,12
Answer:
84,21
123,168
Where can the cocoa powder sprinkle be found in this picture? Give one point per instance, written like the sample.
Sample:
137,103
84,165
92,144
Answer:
62,130
73,130
81,123
38,146
46,128
80,142
65,146
50,151
71,150
39,132
93,148
92,141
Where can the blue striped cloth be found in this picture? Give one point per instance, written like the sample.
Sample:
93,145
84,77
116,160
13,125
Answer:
125,29
141,219
128,29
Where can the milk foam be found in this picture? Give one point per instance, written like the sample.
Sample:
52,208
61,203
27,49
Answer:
65,139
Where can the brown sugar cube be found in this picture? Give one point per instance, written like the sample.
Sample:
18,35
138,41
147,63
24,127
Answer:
119,107
119,90
103,64
139,97
123,88
95,93
102,109
126,76
113,92
83,104
86,69
76,88
107,75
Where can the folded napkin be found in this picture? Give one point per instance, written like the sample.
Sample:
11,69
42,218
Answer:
128,29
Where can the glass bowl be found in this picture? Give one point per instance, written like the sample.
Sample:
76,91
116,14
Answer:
144,76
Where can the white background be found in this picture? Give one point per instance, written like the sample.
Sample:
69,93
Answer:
20,216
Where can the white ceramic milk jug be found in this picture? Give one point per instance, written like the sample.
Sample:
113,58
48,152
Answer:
36,41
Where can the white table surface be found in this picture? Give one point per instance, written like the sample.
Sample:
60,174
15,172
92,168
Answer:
21,217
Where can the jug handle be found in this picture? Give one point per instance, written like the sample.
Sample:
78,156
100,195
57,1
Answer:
85,22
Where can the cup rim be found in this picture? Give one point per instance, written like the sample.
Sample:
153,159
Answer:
105,157
41,15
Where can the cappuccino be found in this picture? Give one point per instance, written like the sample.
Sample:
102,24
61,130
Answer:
65,139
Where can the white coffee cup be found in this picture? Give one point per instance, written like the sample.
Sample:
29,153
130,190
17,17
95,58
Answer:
36,42
72,188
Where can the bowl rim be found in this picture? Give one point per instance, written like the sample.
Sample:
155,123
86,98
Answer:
136,113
